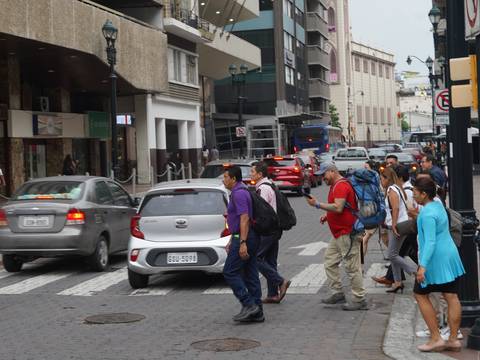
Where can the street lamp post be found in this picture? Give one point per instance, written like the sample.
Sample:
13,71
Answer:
110,34
238,81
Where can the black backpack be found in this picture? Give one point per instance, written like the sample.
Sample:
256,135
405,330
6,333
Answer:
285,212
264,220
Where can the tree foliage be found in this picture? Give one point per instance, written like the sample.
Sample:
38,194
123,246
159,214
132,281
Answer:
334,117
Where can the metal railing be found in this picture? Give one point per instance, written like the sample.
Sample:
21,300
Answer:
189,18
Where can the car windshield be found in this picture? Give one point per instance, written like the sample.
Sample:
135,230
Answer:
50,190
215,171
351,153
280,162
377,152
184,202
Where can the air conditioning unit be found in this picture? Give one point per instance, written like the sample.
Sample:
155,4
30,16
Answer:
44,103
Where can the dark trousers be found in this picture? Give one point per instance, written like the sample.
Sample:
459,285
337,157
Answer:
409,248
267,262
242,275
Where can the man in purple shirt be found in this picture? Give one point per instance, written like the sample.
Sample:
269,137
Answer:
240,270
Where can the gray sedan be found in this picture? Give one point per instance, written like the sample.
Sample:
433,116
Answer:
65,215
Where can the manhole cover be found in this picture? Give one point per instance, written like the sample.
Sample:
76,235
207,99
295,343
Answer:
228,344
114,318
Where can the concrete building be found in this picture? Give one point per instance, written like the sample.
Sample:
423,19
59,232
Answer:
374,105
54,87
340,58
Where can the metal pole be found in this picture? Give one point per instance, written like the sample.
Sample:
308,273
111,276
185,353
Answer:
169,174
190,176
240,122
460,171
182,170
134,181
152,176
113,112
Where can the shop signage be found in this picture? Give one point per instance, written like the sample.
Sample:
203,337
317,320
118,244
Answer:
49,125
98,125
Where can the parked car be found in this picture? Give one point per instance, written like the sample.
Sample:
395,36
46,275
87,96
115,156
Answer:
65,215
215,169
391,147
311,167
288,173
350,158
377,154
179,226
326,156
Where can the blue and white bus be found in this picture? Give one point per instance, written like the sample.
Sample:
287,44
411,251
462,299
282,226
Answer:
317,138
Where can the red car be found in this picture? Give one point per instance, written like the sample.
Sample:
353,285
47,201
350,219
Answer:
288,173
311,167
415,152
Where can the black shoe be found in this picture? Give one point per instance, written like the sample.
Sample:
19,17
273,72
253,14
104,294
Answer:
249,311
258,317
240,314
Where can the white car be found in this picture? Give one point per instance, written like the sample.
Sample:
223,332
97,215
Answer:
179,226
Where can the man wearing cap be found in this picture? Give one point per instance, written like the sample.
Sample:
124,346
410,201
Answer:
344,246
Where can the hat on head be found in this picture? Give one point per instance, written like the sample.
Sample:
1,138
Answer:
324,167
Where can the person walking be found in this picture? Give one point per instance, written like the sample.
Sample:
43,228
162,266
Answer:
240,270
344,245
69,166
439,268
267,253
205,154
214,154
438,175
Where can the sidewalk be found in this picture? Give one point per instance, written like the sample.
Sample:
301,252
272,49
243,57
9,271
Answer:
400,341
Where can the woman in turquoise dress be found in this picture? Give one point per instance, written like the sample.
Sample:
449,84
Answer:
439,267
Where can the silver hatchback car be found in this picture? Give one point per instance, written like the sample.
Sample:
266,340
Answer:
179,226
65,215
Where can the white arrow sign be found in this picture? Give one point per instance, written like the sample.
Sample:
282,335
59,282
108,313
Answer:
311,249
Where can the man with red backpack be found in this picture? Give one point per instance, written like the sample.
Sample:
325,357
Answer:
341,206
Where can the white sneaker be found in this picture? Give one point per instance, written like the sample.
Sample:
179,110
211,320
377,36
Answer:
445,333
423,333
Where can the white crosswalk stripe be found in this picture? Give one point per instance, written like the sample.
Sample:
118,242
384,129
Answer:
151,291
32,283
97,284
308,281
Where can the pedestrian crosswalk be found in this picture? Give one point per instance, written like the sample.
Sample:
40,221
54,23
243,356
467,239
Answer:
308,280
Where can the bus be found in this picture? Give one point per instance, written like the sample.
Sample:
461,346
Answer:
317,138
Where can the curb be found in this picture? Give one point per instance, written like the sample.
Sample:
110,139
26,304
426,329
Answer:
399,340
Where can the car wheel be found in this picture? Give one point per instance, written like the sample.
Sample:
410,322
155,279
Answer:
12,263
99,260
137,281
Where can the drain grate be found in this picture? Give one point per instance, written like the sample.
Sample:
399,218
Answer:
228,344
114,318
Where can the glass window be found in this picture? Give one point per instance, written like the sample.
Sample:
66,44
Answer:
365,66
382,115
50,190
215,171
289,75
375,115
387,71
288,41
288,8
102,194
271,162
389,116
266,5
374,68
182,67
359,114
120,197
184,202
191,69
367,114
331,20
357,64
380,70
299,17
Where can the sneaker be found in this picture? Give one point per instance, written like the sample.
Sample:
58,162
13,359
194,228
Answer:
445,333
354,306
258,317
336,298
240,314
249,311
423,333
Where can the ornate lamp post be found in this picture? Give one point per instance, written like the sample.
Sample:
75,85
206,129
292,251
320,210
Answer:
110,33
238,81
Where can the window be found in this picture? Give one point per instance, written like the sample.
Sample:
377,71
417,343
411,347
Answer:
375,115
374,68
367,115
389,116
299,17
365,66
288,41
357,64
288,8
387,71
380,70
49,190
266,5
289,75
333,67
182,67
102,194
331,20
382,116
359,114
120,197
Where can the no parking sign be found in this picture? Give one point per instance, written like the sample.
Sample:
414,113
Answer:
442,102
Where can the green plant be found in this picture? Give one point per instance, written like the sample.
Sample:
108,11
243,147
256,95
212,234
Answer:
334,117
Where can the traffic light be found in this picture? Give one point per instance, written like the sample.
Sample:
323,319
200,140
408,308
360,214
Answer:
465,95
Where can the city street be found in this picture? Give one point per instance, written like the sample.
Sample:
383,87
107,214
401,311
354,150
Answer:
43,309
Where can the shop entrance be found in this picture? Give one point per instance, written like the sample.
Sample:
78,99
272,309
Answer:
35,159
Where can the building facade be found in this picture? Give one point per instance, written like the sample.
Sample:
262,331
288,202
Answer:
374,109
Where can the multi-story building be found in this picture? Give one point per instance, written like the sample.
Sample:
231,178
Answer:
340,59
277,94
318,59
54,82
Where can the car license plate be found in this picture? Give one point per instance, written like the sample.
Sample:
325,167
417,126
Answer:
36,221
182,258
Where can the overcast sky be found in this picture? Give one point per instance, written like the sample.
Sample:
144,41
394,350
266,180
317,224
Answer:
399,27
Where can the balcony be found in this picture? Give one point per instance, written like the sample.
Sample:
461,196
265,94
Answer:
77,25
226,49
319,88
317,56
187,25
219,12
316,23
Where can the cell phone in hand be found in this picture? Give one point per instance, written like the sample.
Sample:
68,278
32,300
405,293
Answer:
306,195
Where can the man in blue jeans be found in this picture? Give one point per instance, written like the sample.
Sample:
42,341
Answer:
240,270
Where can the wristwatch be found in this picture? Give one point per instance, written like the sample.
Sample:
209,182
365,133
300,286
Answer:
243,241
317,205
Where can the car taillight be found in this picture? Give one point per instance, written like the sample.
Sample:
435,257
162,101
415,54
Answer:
134,227
296,170
75,217
3,218
226,231
134,255
327,147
